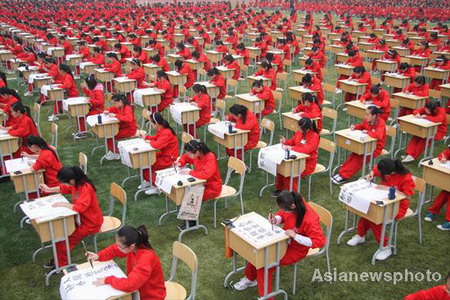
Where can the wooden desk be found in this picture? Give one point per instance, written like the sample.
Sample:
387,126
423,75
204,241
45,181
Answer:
254,52
6,55
236,141
436,73
252,102
353,87
375,54
105,77
436,175
88,68
341,57
124,85
417,60
296,93
337,48
297,75
74,59
445,90
195,65
402,51
147,98
345,70
212,90
39,82
357,109
387,65
266,81
27,182
78,108
214,56
106,130
396,80
226,72
410,100
393,43
172,58
364,46
150,70
176,79
365,147
261,256
8,146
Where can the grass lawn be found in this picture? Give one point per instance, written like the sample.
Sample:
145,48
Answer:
22,279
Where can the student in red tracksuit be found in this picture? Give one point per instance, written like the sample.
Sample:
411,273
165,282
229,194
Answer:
9,97
392,174
265,93
374,126
220,47
127,126
310,108
84,50
442,199
305,140
354,60
183,51
283,46
74,182
205,167
314,84
408,44
94,91
156,45
261,44
202,100
137,73
302,224
123,51
23,127
201,57
245,120
441,62
193,42
162,84
275,60
231,63
161,61
379,97
46,159
140,54
242,51
165,140
440,292
267,71
217,79
52,69
144,270
98,58
184,68
68,48
406,70
314,67
113,65
316,54
434,113
359,75
419,87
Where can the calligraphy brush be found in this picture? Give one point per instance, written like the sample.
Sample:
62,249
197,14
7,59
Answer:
85,249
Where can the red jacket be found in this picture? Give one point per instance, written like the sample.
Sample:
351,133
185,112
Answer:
307,144
206,63
315,67
98,59
252,124
237,70
364,78
205,168
269,74
115,67
185,53
310,228
68,83
54,72
139,75
85,203
48,162
96,99
312,111
245,54
186,69
167,144
127,126
422,91
320,56
7,109
439,117
163,64
68,48
144,272
219,81
376,131
435,293
423,52
382,100
85,51
266,95
142,57
410,72
355,61
204,103
316,85
167,97
23,128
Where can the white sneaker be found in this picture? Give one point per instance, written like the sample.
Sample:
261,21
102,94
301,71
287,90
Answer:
344,109
337,90
143,185
112,156
408,158
244,283
26,94
53,118
384,254
152,191
337,179
356,240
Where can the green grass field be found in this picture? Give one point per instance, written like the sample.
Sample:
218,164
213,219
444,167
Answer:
22,279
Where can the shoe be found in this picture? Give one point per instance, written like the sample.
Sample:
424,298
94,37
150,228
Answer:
152,191
26,94
80,136
429,217
344,109
53,118
356,240
337,90
28,221
183,226
112,156
244,283
143,185
337,179
50,265
384,254
275,193
444,226
408,158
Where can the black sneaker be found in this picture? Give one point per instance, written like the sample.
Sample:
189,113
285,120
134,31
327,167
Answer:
50,265
275,193
183,226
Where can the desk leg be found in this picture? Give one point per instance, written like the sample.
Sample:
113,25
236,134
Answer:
347,229
227,281
96,147
276,290
167,212
428,152
401,135
195,227
266,186
128,177
338,161
386,223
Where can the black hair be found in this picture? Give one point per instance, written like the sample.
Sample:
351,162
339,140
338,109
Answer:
307,78
404,66
66,174
97,49
156,58
137,49
136,61
7,91
442,58
66,68
213,71
359,69
388,165
161,73
91,82
120,97
112,55
3,77
265,64
157,118
49,60
285,200
307,124
179,64
199,88
420,79
18,106
38,141
193,146
229,58
195,54
180,45
375,89
311,98
432,106
352,53
130,235
238,109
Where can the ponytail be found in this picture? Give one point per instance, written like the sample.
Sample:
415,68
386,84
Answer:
238,109
285,200
307,124
130,235
66,174
199,88
38,141
66,68
193,146
157,118
387,166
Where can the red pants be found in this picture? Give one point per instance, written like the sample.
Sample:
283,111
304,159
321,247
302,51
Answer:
416,146
284,183
155,167
57,107
350,97
79,234
405,111
81,124
230,151
253,274
267,111
30,87
119,136
192,130
364,225
341,77
435,84
352,165
442,199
